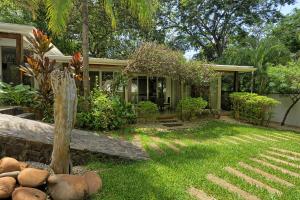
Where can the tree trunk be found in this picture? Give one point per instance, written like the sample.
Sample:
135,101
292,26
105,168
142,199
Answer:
288,111
65,108
85,48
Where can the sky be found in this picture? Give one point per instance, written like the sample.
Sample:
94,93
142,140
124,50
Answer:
284,10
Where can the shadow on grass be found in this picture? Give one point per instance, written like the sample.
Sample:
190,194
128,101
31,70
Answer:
154,179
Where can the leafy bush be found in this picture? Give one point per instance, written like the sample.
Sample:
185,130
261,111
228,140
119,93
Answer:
106,113
189,107
254,108
147,110
20,95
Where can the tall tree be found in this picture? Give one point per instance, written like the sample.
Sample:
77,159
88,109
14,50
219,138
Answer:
208,26
58,11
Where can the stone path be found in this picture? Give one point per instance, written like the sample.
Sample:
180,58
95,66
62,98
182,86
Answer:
32,140
266,175
199,194
280,158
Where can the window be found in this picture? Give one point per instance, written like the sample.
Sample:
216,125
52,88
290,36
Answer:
107,78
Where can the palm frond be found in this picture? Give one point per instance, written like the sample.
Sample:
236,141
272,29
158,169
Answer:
58,12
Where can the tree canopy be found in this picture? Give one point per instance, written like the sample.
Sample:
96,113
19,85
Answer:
158,60
208,26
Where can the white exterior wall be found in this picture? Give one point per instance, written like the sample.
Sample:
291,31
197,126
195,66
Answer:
293,118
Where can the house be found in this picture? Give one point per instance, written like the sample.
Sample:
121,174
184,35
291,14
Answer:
13,45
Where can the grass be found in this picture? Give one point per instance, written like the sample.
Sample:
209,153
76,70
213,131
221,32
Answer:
168,176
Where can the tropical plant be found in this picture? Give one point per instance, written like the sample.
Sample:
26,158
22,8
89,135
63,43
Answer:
189,107
106,113
257,53
19,95
253,108
147,110
40,67
285,80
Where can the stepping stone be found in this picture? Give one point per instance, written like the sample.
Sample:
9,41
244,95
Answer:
252,138
286,151
137,141
283,155
199,194
168,144
280,161
229,140
230,187
266,175
252,181
282,170
178,142
240,139
265,138
278,137
156,148
288,136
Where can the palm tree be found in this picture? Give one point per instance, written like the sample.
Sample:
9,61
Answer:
58,11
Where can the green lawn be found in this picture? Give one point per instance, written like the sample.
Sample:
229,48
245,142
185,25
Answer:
208,149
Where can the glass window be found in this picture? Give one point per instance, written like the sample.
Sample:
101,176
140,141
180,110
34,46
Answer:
107,78
94,79
134,90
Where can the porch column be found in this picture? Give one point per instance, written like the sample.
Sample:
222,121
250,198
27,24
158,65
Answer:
19,49
236,82
1,78
219,92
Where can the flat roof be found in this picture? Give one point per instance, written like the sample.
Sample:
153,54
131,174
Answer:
25,30
232,68
92,61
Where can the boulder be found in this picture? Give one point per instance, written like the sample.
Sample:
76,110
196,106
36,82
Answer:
31,177
10,174
67,187
23,165
93,181
25,193
8,164
7,186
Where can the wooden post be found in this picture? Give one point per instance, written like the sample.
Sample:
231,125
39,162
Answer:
236,82
65,108
1,73
219,93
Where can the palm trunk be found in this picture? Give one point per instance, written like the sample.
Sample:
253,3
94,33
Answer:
288,111
85,48
65,108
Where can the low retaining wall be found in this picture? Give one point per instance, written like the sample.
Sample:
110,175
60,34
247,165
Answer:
293,118
28,140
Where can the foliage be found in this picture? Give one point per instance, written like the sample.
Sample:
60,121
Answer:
40,67
208,26
287,31
285,80
159,60
257,53
147,110
189,107
106,113
19,95
251,107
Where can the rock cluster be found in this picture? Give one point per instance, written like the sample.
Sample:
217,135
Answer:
19,181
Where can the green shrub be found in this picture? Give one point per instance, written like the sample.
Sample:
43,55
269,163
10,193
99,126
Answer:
106,113
19,95
251,107
147,110
189,107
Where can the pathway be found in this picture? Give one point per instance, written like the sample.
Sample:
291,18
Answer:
282,159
